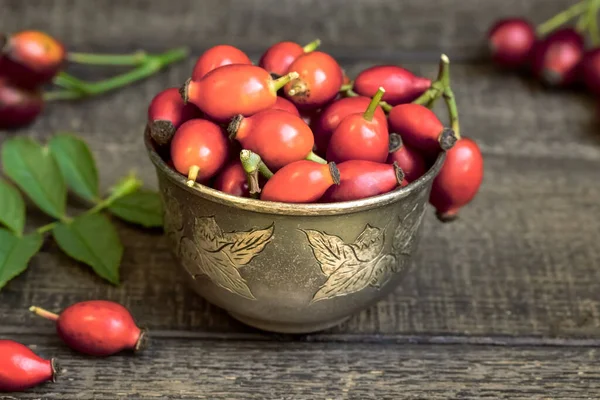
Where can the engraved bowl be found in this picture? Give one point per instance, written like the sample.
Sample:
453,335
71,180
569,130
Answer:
291,268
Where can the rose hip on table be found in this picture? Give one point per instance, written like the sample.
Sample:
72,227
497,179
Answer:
18,106
97,328
22,369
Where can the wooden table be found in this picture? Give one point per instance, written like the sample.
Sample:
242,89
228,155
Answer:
504,303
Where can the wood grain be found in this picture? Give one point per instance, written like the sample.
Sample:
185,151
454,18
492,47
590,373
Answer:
383,27
187,369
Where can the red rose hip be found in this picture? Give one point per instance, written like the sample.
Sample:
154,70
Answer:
22,369
319,81
420,128
556,57
510,41
278,58
31,58
233,180
590,70
408,159
18,106
285,105
360,179
234,89
166,113
401,85
218,56
458,181
199,149
302,181
97,327
360,136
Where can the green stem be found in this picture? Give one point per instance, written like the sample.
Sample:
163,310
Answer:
313,157
136,58
452,110
264,170
283,80
387,107
80,88
370,112
347,87
68,81
592,22
561,18
312,46
48,227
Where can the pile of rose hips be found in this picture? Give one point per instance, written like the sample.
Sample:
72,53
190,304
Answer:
554,53
296,129
96,328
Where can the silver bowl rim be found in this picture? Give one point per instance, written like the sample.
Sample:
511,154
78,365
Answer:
296,209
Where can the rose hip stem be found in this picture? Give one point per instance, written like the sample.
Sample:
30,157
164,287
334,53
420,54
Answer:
136,58
562,18
44,313
253,165
312,46
78,89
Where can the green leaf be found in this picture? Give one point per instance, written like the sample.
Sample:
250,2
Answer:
12,208
142,208
76,164
15,253
33,168
93,240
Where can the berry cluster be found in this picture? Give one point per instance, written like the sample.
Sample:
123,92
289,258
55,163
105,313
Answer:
296,129
556,54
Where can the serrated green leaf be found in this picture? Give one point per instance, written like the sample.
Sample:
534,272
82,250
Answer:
93,240
15,253
12,208
33,168
76,164
143,208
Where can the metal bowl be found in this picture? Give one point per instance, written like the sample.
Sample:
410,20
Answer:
291,268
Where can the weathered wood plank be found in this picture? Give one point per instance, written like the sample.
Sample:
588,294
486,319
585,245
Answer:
183,369
388,26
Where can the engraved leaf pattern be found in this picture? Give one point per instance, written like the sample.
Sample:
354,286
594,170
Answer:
218,255
350,267
173,219
404,237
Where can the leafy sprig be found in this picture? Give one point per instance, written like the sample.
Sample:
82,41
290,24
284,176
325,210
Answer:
44,173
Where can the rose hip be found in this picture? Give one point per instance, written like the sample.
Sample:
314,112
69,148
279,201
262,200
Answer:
233,180
234,89
279,137
278,58
408,159
459,179
31,58
331,117
96,327
18,106
285,105
302,181
319,81
420,128
218,56
166,113
401,85
22,369
510,41
360,179
556,57
590,70
360,136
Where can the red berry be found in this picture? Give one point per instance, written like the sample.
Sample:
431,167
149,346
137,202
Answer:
401,85
590,70
234,89
420,128
31,58
233,180
459,179
97,327
556,57
360,136
199,149
285,105
408,159
18,106
331,117
319,81
302,181
166,113
278,58
279,137
22,369
360,179
218,56
510,42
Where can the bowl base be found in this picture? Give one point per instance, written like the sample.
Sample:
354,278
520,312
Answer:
282,327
